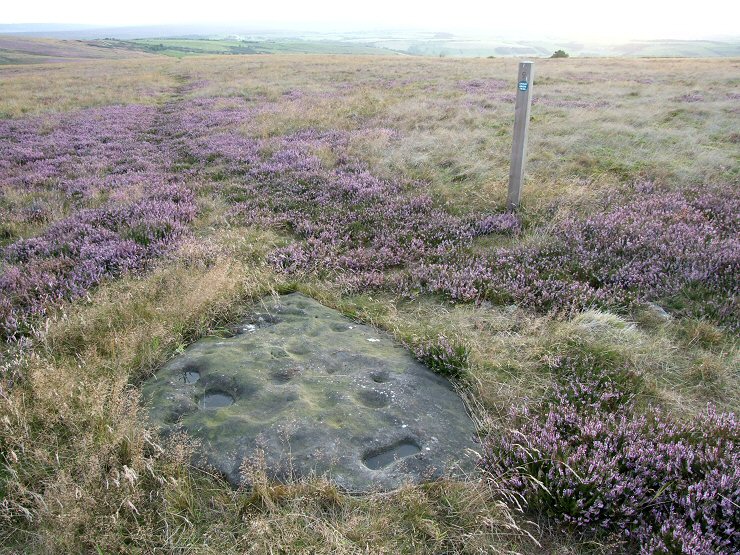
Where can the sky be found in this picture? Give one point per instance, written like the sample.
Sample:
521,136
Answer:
576,19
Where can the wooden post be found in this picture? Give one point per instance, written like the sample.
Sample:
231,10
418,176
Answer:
521,124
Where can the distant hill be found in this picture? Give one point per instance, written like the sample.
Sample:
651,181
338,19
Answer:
179,47
91,32
45,29
21,49
26,50
22,44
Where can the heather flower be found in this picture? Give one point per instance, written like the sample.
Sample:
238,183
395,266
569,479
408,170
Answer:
353,227
483,86
446,357
586,457
88,156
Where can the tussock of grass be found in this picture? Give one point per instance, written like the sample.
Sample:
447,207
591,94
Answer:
508,345
137,321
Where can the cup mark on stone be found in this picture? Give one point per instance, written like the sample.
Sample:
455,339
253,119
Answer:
373,398
298,349
284,375
266,320
255,323
380,458
333,368
380,377
215,400
339,326
278,352
191,371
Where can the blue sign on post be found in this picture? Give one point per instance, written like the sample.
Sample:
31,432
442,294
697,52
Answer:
519,143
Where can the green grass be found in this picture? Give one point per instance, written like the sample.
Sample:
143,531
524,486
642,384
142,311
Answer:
179,48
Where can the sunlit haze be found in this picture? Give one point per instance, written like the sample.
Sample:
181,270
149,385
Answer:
577,19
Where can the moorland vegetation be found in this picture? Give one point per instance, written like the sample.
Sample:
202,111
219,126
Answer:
144,203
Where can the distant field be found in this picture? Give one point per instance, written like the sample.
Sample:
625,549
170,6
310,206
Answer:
186,47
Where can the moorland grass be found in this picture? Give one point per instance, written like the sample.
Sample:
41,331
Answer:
81,470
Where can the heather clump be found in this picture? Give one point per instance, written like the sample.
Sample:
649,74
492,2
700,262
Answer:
120,205
588,457
643,250
444,356
112,140
482,86
366,232
691,97
79,252
353,225
61,164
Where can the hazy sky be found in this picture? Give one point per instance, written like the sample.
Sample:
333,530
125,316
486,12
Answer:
590,19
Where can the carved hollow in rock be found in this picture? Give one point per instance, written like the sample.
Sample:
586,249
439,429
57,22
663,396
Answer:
302,388
391,454
215,400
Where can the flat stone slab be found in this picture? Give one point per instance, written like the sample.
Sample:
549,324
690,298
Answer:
312,391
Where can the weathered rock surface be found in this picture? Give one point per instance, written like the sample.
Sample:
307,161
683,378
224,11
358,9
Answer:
315,392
